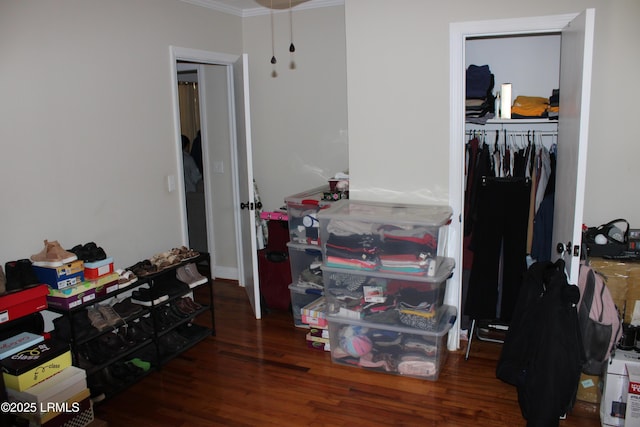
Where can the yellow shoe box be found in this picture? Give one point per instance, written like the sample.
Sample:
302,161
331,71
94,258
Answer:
35,364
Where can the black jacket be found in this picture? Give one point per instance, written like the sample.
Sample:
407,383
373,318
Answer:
542,354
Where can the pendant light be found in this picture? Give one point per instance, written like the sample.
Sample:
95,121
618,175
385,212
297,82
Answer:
292,48
273,50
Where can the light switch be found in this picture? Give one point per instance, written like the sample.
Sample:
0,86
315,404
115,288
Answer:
171,183
218,167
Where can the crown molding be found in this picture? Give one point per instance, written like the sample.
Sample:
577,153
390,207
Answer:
257,11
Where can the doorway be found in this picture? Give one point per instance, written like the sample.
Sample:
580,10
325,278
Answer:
575,97
227,165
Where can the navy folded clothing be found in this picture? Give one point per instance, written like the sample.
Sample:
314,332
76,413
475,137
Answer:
480,81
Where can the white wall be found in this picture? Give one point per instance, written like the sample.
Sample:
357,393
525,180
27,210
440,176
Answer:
398,98
86,121
298,117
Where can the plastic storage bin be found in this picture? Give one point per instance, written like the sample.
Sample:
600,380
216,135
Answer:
391,349
384,237
306,265
385,297
302,209
301,297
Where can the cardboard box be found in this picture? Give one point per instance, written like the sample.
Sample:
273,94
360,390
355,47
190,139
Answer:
589,388
35,364
105,284
613,405
14,305
18,342
314,314
61,277
632,416
94,270
72,301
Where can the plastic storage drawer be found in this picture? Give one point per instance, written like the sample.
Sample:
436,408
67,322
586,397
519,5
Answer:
385,237
306,265
302,210
301,297
390,349
371,296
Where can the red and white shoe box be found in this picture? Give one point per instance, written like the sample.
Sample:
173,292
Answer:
94,270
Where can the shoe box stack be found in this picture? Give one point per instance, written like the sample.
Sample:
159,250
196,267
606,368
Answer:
385,279
75,277
306,259
41,381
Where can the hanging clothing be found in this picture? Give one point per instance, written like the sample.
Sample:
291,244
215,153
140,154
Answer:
499,240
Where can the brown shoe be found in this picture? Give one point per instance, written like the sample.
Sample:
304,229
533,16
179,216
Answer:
52,255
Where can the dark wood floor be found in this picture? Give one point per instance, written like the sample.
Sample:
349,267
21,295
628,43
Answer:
260,373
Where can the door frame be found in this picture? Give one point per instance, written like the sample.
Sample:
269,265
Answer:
202,57
459,32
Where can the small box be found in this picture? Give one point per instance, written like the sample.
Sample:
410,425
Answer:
314,314
35,364
305,262
390,349
72,301
301,297
105,284
18,342
14,305
318,343
81,414
61,277
632,417
589,388
613,406
93,270
71,406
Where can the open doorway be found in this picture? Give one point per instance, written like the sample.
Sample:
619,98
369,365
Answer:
228,186
192,154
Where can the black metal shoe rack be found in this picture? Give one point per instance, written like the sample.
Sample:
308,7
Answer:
106,371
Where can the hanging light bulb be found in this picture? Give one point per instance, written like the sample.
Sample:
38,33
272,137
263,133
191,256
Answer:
273,51
292,48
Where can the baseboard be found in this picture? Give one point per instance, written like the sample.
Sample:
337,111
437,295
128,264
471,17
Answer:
230,273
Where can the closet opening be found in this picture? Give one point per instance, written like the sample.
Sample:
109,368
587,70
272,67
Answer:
509,171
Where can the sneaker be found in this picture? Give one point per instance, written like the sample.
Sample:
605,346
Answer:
52,255
110,315
97,320
190,275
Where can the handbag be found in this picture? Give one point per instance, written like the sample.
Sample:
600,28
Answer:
610,239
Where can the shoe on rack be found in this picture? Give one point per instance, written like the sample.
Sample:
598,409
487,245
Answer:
146,325
179,309
19,275
190,275
135,334
110,315
148,297
189,302
126,309
52,255
126,278
190,331
97,319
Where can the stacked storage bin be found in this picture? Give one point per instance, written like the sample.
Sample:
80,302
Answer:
305,258
385,276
